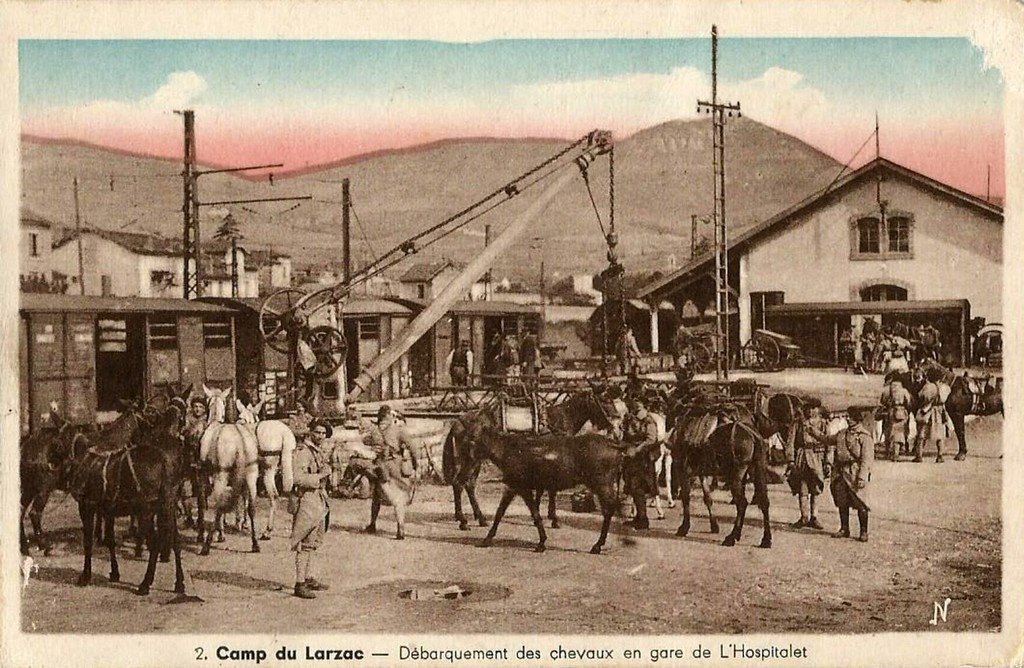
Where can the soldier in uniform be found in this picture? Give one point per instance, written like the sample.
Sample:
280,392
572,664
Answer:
529,355
395,461
931,414
848,458
308,506
460,363
895,402
640,433
806,475
630,351
195,424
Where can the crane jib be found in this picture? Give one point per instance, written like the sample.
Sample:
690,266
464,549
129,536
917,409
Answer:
598,142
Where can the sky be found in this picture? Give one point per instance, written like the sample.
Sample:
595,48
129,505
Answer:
305,103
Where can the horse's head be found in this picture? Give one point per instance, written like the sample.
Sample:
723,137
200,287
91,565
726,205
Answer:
216,403
248,414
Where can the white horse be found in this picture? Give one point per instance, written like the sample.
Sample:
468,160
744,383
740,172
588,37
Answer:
232,451
275,443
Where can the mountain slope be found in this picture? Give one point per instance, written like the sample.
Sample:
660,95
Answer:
663,175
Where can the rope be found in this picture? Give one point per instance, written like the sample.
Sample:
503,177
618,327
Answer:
362,231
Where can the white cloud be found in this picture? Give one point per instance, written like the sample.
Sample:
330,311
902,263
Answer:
180,90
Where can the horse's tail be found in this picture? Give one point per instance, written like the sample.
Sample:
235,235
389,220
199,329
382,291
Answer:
449,465
287,448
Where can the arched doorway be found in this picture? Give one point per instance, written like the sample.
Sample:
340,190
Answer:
883,292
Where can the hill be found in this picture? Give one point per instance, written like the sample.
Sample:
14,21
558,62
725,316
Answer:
663,175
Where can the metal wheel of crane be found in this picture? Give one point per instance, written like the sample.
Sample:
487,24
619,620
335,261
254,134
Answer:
277,314
330,347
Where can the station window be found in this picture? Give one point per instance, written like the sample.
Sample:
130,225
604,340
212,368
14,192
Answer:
899,235
867,236
369,328
217,332
163,333
883,292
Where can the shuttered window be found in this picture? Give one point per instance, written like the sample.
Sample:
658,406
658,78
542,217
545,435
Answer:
163,333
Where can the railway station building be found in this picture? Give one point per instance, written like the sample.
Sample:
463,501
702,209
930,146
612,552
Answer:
883,242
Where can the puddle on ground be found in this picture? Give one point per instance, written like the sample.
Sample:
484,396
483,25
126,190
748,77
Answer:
449,591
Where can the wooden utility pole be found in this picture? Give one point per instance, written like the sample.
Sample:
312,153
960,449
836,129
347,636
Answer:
718,111
487,276
346,230
78,238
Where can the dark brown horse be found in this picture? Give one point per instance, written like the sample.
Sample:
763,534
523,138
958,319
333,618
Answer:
723,441
141,479
551,463
47,455
461,461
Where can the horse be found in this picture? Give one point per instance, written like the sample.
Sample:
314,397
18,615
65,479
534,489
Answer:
232,451
725,440
550,462
275,443
140,479
461,462
48,456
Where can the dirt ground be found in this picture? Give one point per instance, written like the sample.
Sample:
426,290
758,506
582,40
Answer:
935,533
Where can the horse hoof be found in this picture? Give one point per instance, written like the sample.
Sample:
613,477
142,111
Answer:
165,558
729,541
220,539
482,521
265,536
714,528
555,524
400,536
115,576
486,542
539,548
204,551
179,588
681,531
960,457
142,591
595,550
463,526
255,547
766,544
84,580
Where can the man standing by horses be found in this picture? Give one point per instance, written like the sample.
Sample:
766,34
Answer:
848,457
806,475
529,355
309,507
896,402
640,433
395,462
195,424
460,363
931,414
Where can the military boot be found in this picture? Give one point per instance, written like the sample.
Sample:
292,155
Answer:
303,590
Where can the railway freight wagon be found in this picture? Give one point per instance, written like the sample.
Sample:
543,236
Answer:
87,353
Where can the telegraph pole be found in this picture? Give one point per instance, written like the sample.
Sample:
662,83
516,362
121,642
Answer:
78,237
346,230
718,111
192,283
487,276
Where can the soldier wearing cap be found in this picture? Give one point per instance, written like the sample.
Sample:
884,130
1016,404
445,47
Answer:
849,455
309,507
396,458
195,424
896,402
640,432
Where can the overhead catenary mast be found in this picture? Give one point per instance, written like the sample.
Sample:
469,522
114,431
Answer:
192,273
718,111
